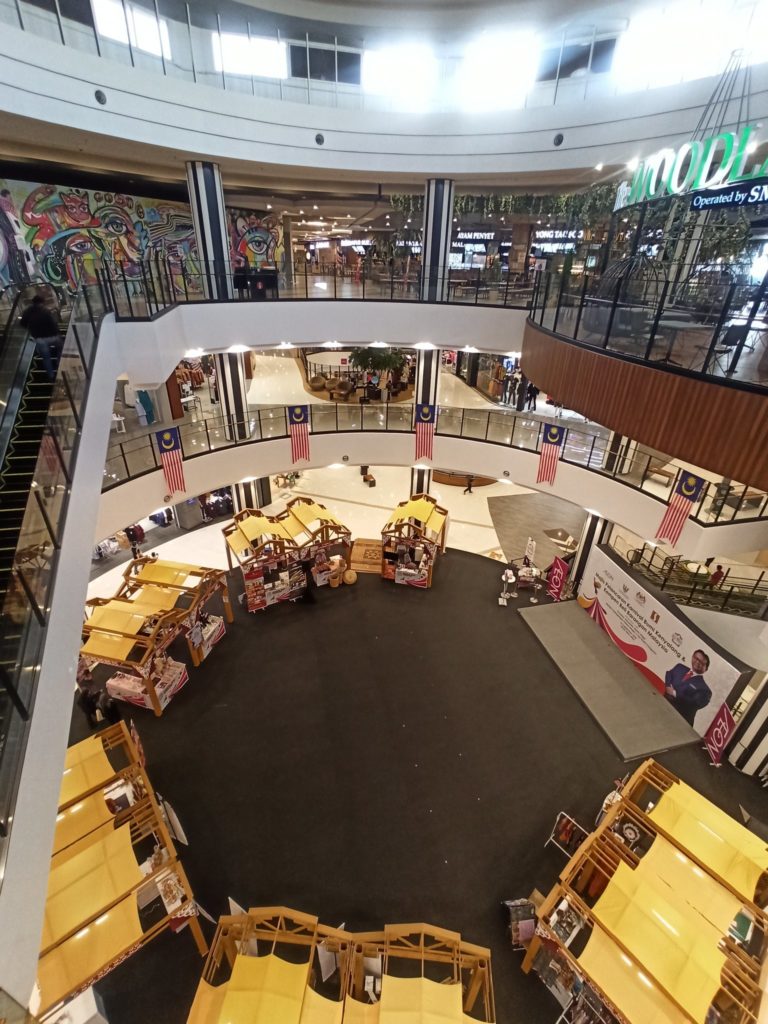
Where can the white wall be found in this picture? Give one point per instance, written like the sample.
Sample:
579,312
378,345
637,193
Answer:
22,896
638,511
46,81
149,351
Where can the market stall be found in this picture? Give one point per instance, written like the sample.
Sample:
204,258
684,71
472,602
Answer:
115,880
157,602
411,539
277,964
275,553
654,933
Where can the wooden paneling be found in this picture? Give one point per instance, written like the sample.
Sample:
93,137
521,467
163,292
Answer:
717,427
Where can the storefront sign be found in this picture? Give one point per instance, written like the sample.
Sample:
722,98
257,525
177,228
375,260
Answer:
675,659
476,236
552,234
698,164
356,241
556,578
718,734
748,194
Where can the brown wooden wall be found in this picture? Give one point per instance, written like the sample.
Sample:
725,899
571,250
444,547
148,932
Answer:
710,425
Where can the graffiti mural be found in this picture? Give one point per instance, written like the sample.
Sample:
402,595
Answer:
60,234
255,238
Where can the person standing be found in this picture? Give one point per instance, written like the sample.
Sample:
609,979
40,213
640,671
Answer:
686,689
468,488
44,329
531,395
716,578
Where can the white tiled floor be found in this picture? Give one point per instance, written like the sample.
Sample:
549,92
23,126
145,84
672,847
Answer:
453,391
277,380
363,509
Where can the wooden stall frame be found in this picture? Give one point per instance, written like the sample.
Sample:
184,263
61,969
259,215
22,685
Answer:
404,531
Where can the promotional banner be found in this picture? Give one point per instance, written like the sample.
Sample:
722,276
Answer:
670,654
719,732
556,578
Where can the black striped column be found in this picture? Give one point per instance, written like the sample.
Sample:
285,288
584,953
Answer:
209,216
421,480
596,530
252,494
231,388
436,243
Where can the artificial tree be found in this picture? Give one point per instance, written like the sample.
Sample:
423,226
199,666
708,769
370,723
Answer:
379,361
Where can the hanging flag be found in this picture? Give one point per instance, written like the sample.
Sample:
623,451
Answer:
425,430
556,578
550,453
679,508
169,446
298,420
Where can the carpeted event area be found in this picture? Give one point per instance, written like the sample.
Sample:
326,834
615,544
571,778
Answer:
381,755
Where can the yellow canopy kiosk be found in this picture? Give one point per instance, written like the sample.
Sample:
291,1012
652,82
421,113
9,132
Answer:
274,964
157,602
656,934
115,880
274,552
411,539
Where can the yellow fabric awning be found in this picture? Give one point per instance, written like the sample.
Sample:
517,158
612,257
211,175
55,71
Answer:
672,942
83,750
423,511
717,840
84,776
264,989
316,1009
206,1009
76,961
105,646
170,574
150,599
356,1012
87,883
117,616
669,866
419,1001
80,819
255,528
632,991
292,526
308,514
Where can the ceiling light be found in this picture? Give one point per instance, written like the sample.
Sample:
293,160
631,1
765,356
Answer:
285,344
497,70
598,167
269,206
314,207
633,164
378,344
349,216
331,344
238,348
425,346
301,213
455,220
193,353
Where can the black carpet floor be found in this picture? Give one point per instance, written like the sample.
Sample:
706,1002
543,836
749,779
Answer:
382,755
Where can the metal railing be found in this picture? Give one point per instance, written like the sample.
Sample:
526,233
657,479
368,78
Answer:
644,470
715,332
27,600
689,583
141,291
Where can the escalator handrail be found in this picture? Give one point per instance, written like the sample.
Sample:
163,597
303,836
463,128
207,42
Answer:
15,362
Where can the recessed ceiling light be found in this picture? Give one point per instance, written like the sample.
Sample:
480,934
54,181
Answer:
314,207
237,348
598,167
455,220
633,164
269,206
285,344
377,344
349,216
301,213
425,346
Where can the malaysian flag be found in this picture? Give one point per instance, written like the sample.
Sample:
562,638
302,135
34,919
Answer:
169,446
550,453
679,508
298,420
425,430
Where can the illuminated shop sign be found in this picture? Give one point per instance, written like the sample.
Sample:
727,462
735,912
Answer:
699,164
747,194
554,235
356,241
476,236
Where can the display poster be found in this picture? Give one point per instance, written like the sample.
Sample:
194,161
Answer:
556,578
530,550
665,647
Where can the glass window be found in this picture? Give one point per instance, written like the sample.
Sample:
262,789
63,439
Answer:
349,67
575,59
602,55
147,33
298,61
322,64
548,64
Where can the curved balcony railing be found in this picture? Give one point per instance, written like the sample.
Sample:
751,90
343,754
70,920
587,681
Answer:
141,291
645,471
714,331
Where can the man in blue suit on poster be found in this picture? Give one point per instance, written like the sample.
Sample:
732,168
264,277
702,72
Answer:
686,689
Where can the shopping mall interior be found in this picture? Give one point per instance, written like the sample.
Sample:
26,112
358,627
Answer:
304,301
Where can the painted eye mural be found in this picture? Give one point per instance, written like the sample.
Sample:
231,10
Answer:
255,238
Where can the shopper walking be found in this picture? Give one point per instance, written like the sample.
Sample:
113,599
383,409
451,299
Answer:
716,578
44,329
531,395
468,488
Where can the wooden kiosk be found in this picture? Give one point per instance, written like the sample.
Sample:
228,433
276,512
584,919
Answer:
655,915
274,964
411,539
275,552
132,631
115,881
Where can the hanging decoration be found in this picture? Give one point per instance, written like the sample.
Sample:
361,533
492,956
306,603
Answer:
679,508
550,454
169,446
298,420
425,431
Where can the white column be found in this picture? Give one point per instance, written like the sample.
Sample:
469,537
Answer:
596,530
